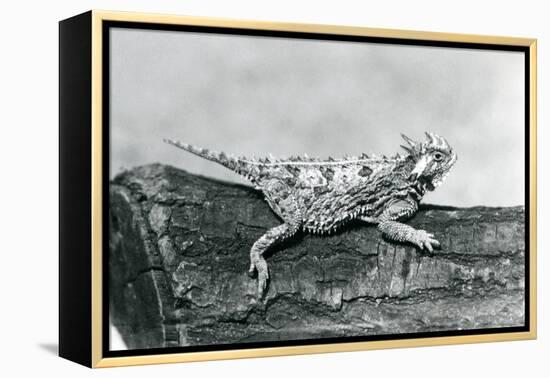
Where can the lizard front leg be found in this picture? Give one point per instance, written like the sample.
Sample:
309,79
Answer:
389,225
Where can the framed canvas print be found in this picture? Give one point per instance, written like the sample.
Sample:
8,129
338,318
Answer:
234,189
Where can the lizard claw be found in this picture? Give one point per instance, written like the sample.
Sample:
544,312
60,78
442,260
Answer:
262,284
263,276
425,239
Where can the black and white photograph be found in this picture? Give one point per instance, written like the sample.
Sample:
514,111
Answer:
282,189
275,189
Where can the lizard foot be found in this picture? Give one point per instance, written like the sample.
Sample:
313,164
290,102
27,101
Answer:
260,266
424,239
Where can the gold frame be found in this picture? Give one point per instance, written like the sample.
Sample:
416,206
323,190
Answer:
99,16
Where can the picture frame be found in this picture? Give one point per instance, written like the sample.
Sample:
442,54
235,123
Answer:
100,283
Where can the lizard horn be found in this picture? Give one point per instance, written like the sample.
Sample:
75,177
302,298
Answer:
409,150
444,142
437,140
432,138
411,142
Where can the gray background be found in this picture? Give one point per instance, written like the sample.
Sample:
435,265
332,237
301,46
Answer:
252,96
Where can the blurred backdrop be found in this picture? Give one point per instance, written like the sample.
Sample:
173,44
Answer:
254,96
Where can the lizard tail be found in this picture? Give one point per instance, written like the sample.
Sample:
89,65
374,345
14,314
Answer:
235,164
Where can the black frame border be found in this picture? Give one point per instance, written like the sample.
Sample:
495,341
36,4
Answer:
75,196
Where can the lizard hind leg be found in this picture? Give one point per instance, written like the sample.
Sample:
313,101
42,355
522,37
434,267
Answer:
257,261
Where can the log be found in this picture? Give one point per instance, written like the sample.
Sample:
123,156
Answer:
179,254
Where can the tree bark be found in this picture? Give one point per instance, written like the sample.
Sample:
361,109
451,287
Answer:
179,255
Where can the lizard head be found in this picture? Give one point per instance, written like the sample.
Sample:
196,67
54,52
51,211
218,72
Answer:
431,160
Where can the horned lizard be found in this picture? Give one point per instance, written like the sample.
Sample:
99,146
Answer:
321,196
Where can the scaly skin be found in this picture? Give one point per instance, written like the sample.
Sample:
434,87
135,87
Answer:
321,196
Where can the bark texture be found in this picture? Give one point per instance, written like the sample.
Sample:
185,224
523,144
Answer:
179,254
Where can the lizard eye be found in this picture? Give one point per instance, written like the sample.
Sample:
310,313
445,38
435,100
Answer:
438,156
